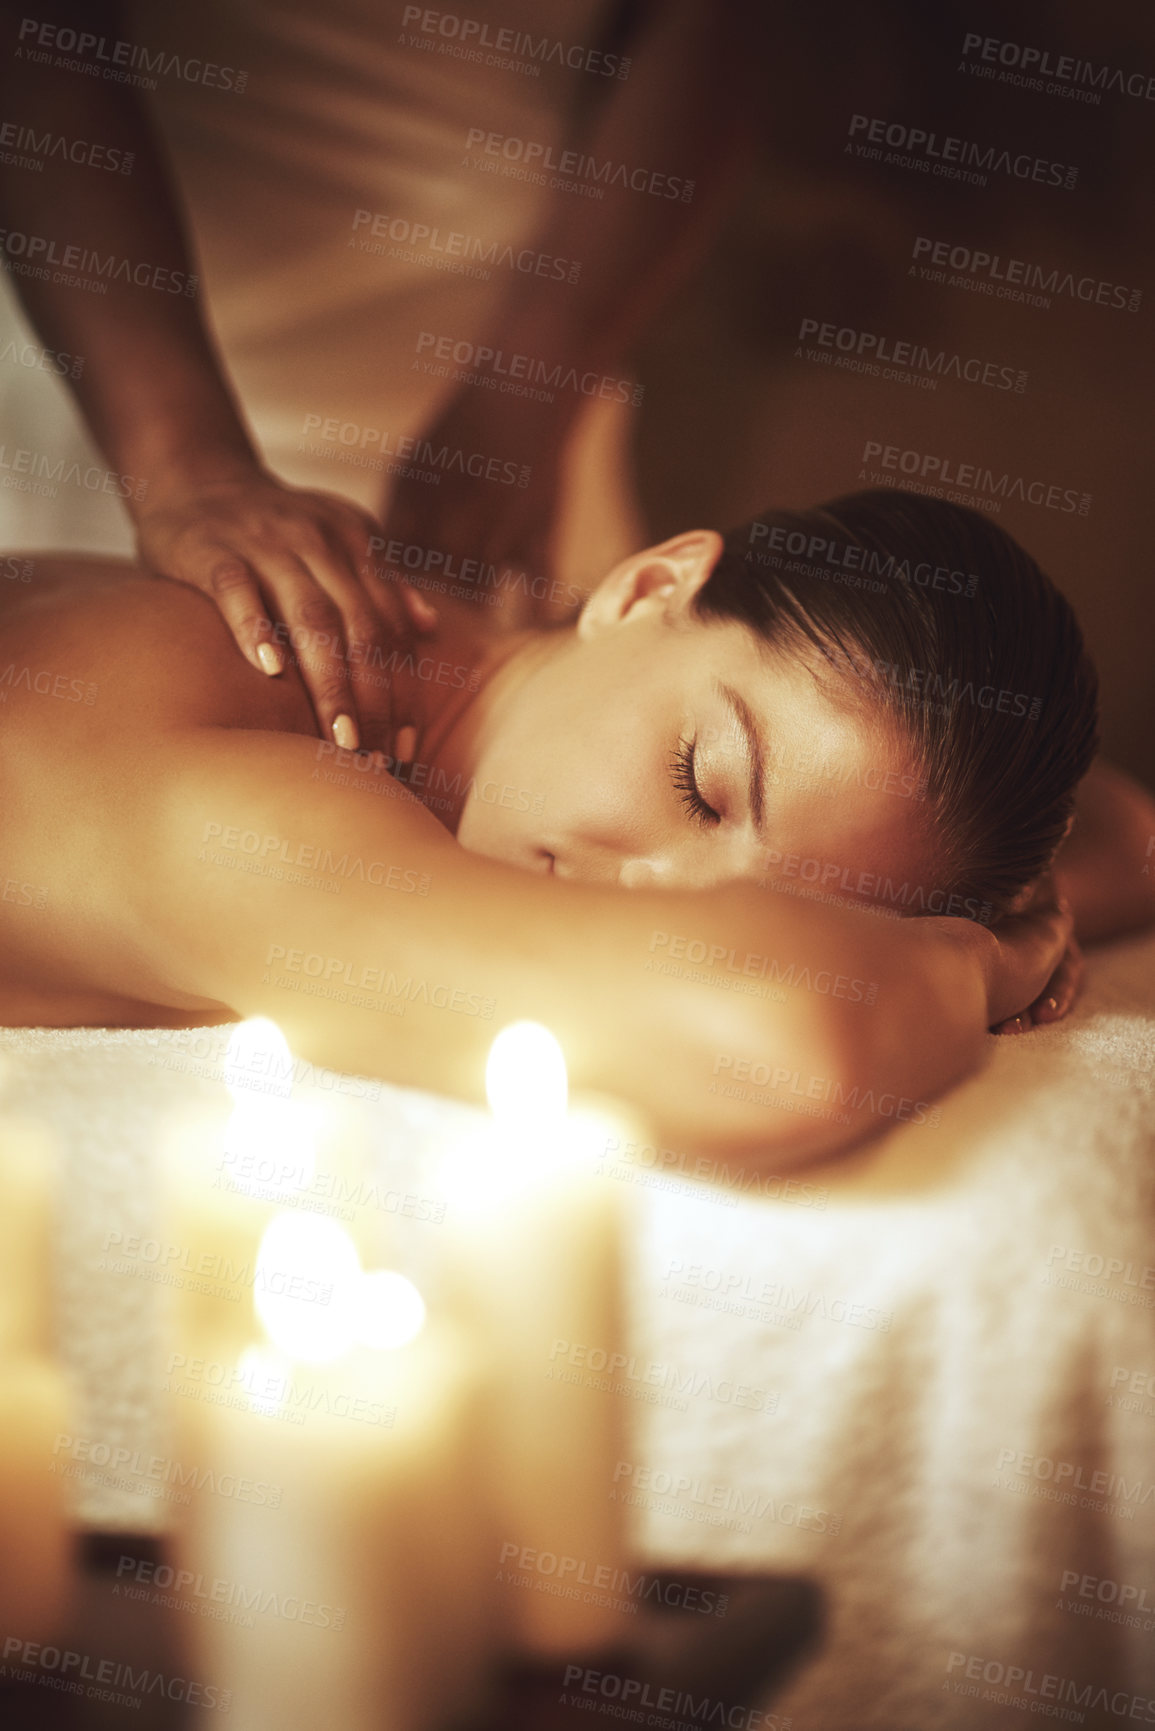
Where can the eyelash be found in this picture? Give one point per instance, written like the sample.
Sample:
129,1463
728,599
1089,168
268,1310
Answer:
682,771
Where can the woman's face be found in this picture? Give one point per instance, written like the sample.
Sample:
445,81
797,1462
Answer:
646,747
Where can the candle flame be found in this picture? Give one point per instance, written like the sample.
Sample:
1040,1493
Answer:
258,1061
306,1287
391,1311
525,1078
269,1140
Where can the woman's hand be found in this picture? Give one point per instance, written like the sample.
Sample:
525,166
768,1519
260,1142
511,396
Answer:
1038,967
263,551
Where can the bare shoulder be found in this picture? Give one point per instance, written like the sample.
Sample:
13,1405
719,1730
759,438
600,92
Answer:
103,634
100,667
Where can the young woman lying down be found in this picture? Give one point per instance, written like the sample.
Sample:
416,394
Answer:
672,830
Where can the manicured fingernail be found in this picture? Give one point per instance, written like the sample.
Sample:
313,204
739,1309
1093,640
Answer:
270,658
345,732
406,743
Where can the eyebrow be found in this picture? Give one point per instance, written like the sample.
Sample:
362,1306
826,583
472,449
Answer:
755,749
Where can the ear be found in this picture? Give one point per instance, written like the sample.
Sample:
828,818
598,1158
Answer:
663,579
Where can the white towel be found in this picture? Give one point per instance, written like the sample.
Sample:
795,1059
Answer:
929,1349
111,1100
953,1323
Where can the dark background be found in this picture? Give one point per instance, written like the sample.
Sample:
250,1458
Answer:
733,422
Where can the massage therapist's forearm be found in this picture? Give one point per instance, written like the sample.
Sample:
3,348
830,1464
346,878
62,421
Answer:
675,121
151,387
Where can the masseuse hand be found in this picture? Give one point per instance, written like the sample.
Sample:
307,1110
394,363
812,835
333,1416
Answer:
487,536
264,551
1036,948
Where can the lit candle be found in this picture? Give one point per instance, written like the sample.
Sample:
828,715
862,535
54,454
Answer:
537,1262
35,1536
231,1166
338,1606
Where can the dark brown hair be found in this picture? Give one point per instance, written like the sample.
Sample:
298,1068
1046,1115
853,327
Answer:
933,613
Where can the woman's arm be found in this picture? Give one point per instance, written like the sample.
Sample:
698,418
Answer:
389,950
185,861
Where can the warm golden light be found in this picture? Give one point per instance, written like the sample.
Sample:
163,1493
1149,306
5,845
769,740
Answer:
258,1061
390,1310
525,1079
270,1139
263,1374
306,1286
270,1145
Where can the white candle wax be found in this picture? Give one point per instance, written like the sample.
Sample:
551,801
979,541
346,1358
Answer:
232,1166
371,1569
337,1604
537,1271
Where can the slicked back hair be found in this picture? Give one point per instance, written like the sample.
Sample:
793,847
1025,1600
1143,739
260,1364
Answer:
935,616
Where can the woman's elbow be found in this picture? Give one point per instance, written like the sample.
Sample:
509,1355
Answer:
839,1081
767,1096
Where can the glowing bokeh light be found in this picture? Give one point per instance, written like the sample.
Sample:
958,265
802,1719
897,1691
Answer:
525,1079
258,1061
264,1376
270,1145
390,1310
306,1286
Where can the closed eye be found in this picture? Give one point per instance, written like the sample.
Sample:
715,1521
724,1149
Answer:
684,779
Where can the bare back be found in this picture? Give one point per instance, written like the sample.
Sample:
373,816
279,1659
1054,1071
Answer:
95,655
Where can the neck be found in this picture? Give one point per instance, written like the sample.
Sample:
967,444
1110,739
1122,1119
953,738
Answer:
450,691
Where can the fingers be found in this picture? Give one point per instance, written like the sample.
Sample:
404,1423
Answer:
1062,989
366,639
316,632
422,611
303,559
318,622
234,588
406,608
372,664
1055,1001
376,630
